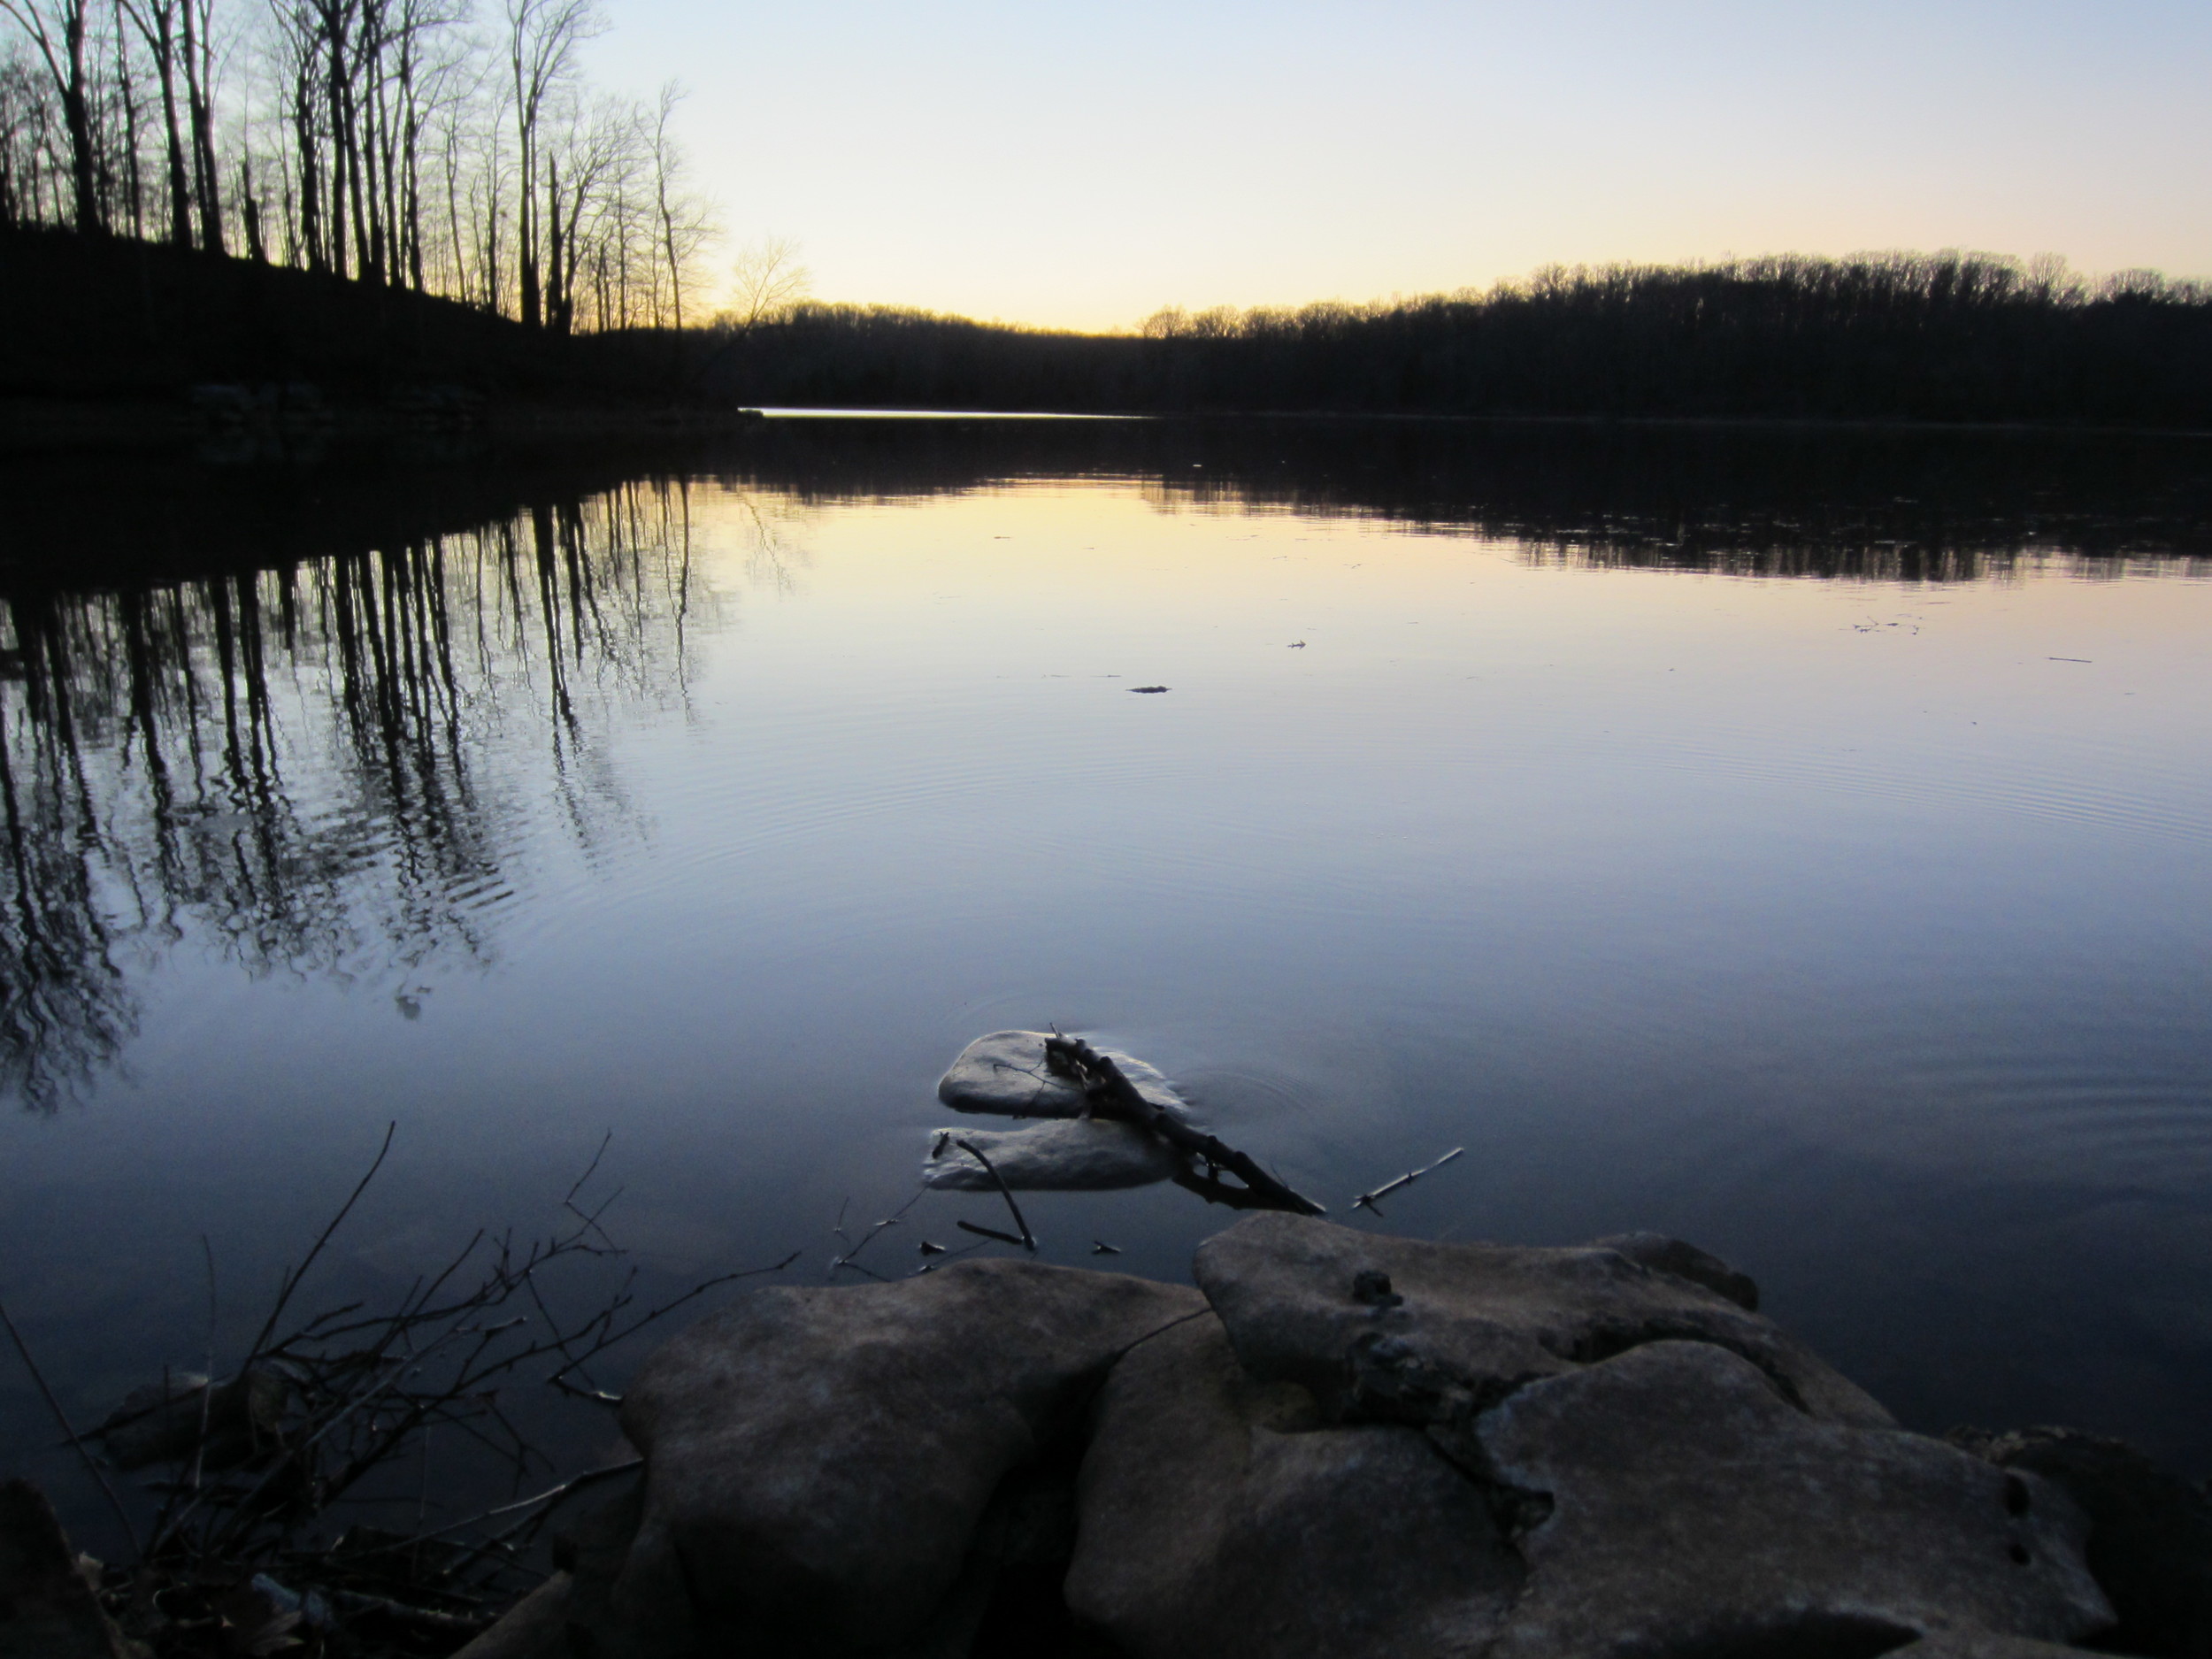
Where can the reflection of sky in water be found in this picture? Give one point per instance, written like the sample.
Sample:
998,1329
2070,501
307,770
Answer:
1853,929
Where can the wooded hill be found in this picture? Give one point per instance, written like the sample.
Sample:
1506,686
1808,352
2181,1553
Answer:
1943,338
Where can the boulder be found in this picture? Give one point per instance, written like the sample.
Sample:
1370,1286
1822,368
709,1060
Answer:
1352,1445
819,1460
535,1627
2150,1533
1662,1255
1005,1075
48,1610
1070,1155
1397,1330
1693,1508
1220,1518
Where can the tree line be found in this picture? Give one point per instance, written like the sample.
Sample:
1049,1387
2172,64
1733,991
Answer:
1943,336
401,143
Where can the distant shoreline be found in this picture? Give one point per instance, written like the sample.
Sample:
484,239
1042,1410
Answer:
114,340
169,424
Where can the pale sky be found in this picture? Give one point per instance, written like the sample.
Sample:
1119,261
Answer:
1069,163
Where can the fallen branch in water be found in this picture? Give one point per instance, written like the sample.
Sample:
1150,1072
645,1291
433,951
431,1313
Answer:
1028,1241
1108,1093
1366,1201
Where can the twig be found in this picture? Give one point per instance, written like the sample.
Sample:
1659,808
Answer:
992,1233
551,1494
1028,1238
1107,1093
639,1323
1366,1201
590,1169
53,1405
291,1281
851,1257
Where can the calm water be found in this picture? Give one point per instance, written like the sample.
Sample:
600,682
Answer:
1802,845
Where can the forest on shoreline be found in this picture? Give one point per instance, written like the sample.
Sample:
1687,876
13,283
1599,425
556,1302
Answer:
376,198
1945,337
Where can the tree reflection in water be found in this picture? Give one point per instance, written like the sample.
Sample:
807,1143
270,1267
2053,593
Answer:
323,767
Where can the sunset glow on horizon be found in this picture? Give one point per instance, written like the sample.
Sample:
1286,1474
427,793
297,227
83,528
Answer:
1082,165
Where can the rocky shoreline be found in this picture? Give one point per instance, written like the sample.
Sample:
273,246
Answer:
1334,1443
1337,1444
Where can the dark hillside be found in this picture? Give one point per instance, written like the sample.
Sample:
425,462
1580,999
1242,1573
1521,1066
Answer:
1959,339
114,318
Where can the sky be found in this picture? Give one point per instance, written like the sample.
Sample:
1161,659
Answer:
1073,164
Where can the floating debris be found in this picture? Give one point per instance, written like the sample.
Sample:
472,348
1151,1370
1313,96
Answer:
1366,1201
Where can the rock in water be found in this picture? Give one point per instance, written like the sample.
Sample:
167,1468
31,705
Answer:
1004,1074
1090,1155
818,1460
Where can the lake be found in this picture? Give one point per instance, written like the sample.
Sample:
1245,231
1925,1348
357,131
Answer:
1797,841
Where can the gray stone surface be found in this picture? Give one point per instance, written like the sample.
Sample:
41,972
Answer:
535,1627
818,1460
1694,1511
1365,1447
1069,1155
1459,1327
2150,1532
1981,1644
1004,1074
1220,1518
1663,1255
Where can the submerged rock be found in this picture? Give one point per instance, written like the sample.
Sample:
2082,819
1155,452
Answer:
1070,1155
163,1420
1005,1075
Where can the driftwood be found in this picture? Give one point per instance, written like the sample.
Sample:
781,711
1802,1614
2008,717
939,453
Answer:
1366,1201
1028,1240
1107,1093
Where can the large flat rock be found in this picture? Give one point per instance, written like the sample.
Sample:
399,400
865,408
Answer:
1693,1510
1221,1520
818,1459
1397,1330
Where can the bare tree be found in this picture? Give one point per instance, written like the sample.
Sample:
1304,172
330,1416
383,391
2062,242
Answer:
58,28
766,281
542,36
685,224
155,21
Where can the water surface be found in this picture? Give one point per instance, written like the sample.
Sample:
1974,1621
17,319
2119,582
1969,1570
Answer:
1796,843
